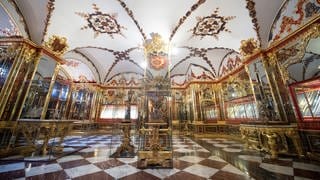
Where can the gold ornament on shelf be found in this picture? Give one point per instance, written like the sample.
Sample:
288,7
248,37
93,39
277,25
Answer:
248,47
58,45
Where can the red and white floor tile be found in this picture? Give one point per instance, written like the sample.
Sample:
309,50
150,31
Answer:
191,161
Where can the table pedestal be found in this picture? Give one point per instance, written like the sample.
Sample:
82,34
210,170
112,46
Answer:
126,149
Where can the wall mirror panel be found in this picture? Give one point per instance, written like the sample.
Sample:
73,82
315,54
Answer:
304,82
265,108
239,101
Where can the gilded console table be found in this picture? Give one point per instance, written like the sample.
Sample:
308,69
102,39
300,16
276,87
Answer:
35,129
274,139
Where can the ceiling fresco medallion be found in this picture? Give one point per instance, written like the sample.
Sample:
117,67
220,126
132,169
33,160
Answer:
158,62
211,25
101,22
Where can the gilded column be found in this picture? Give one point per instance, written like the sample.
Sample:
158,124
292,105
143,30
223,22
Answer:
93,104
7,87
269,63
33,66
68,102
279,90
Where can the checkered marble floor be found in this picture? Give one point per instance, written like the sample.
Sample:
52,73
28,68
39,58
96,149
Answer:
191,161
261,166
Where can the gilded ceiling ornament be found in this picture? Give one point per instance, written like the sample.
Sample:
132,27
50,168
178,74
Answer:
155,45
58,45
101,22
29,53
156,51
211,25
248,47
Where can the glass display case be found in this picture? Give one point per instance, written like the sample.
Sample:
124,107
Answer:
265,107
239,100
118,112
34,104
81,100
58,101
6,62
242,110
306,97
40,86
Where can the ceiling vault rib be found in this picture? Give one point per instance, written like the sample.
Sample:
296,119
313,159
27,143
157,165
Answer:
50,7
86,57
130,13
106,49
197,65
197,52
182,19
225,56
252,13
128,72
22,19
184,59
115,63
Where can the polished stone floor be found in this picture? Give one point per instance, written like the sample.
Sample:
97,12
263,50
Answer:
202,158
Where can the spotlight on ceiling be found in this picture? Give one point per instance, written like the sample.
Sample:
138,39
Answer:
143,64
174,51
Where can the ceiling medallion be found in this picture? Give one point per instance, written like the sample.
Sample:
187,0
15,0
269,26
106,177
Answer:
58,45
158,62
101,22
211,25
248,47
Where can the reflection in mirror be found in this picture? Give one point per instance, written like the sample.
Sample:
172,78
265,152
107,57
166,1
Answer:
308,98
58,101
305,84
34,103
261,92
6,61
209,103
309,66
81,100
239,100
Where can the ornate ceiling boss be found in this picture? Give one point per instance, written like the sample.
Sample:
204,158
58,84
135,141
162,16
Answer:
211,25
101,22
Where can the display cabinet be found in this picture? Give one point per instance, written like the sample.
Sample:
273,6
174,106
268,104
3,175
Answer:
306,96
40,90
209,104
242,109
81,100
58,102
23,88
239,102
155,133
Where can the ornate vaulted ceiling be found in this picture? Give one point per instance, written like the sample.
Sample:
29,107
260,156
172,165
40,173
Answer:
105,37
